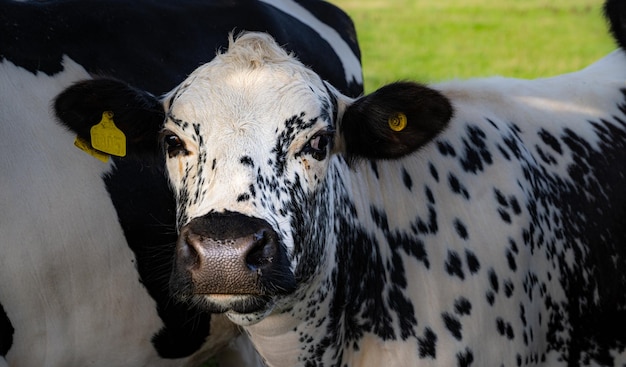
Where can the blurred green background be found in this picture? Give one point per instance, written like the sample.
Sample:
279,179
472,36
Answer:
431,40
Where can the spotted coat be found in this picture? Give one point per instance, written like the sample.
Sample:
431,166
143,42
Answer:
488,230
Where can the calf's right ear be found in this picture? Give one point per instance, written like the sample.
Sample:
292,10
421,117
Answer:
138,114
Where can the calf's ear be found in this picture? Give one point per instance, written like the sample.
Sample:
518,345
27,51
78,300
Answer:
138,114
394,121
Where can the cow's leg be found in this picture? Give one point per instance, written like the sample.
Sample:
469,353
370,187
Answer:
3,362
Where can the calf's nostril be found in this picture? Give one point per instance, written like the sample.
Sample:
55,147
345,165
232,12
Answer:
262,250
187,253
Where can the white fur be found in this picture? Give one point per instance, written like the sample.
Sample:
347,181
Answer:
69,282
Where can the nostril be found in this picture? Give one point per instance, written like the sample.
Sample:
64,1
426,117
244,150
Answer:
262,251
187,253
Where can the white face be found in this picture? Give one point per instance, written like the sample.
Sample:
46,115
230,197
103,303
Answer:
250,137
244,136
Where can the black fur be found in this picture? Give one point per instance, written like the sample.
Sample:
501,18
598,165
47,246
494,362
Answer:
6,332
615,13
137,113
366,128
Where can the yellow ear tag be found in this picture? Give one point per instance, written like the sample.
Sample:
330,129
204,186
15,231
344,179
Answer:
397,121
107,138
83,145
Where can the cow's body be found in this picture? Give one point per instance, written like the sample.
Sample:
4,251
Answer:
85,263
473,223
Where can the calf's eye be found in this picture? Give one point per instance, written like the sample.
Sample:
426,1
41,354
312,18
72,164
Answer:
317,147
173,144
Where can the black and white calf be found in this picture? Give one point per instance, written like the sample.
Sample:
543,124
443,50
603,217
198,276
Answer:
470,223
86,248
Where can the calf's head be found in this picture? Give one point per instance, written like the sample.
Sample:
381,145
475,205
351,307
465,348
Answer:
249,140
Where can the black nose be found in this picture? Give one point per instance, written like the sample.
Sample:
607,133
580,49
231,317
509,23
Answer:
230,253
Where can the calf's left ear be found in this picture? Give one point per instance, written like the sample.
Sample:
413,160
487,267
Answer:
394,121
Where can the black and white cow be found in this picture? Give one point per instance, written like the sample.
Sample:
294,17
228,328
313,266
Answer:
86,248
469,223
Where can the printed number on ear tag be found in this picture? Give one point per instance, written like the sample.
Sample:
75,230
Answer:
397,121
83,145
107,138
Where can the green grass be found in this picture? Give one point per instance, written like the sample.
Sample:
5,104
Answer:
431,40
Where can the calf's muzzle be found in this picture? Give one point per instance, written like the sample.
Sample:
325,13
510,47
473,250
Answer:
230,253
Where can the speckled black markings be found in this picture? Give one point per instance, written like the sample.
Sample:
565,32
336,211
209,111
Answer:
475,154
429,195
433,171
453,325
454,266
457,187
504,328
427,344
462,306
178,122
493,280
465,358
446,149
472,261
460,228
508,287
510,258
406,179
246,161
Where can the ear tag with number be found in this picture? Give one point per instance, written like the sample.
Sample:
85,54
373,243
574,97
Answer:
107,138
397,121
83,145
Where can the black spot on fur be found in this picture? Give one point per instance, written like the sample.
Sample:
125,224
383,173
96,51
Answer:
508,288
505,216
504,328
428,344
406,178
454,266
243,197
493,280
460,229
511,260
433,171
457,187
476,155
6,332
465,358
247,161
453,325
550,141
472,262
462,306
446,149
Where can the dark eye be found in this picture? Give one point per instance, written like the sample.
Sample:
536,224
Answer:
173,144
317,147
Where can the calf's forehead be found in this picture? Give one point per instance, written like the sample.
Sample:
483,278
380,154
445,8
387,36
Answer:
222,99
